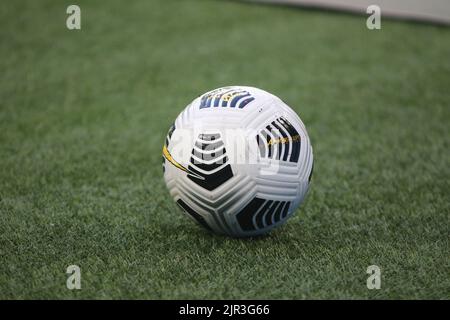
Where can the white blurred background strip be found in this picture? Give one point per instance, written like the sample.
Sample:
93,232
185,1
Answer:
437,11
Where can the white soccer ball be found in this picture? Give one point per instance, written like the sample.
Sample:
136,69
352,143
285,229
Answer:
238,161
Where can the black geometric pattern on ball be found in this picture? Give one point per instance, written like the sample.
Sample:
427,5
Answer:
260,213
276,135
193,214
209,161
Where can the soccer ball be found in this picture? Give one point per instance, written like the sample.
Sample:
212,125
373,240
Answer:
238,161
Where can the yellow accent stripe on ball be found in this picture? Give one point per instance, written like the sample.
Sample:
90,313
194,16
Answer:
169,158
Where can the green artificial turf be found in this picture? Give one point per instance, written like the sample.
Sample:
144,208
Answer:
83,116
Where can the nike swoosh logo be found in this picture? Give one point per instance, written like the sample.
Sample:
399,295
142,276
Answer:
178,165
